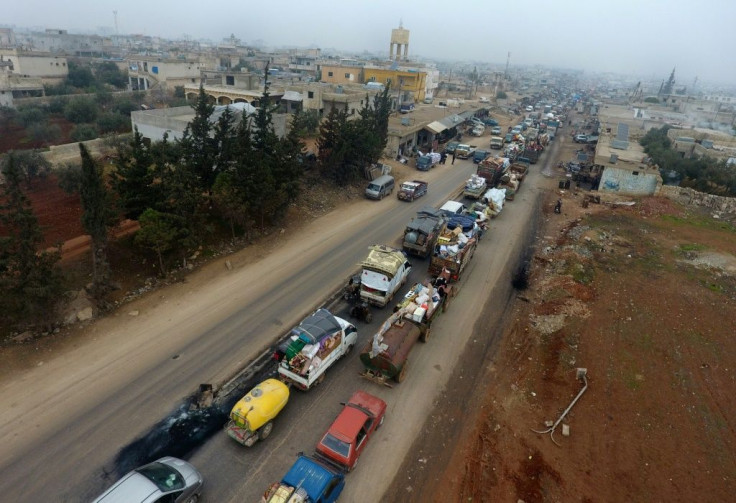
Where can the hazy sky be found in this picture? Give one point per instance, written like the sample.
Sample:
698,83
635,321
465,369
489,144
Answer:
643,37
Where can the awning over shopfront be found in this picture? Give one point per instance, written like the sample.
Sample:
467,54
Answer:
436,127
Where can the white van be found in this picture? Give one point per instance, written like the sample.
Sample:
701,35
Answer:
380,187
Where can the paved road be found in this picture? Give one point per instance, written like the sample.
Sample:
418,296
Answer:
62,424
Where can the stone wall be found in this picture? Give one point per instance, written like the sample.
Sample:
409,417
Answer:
688,196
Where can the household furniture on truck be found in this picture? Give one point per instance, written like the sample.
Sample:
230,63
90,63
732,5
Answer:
385,270
422,231
314,346
386,356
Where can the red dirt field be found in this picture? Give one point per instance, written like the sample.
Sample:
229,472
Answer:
59,214
644,298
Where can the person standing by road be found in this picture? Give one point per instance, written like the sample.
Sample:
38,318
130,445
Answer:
453,157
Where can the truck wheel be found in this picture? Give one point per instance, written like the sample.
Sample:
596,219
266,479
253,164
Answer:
193,499
423,337
265,430
402,375
320,379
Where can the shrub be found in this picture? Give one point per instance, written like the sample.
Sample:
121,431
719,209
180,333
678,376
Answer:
84,132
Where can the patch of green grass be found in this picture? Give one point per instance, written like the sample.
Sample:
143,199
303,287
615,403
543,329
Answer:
632,382
581,272
691,247
700,222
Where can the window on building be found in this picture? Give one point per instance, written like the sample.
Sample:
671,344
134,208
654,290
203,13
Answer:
347,75
310,94
635,173
229,80
329,74
352,111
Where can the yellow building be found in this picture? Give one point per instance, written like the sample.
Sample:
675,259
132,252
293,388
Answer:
341,74
412,84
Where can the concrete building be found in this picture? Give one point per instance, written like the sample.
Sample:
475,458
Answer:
146,72
14,86
153,124
408,85
50,68
625,167
344,72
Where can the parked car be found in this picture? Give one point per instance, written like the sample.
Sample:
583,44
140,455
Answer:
496,130
580,138
167,479
348,435
516,130
451,146
490,122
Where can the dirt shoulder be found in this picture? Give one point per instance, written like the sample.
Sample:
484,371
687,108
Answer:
644,298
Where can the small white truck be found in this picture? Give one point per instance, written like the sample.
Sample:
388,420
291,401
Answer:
314,346
385,270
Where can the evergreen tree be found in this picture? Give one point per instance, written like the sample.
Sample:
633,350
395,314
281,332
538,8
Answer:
333,148
133,179
30,282
224,140
198,148
97,215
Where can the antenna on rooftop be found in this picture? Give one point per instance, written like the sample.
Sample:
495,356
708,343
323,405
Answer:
115,15
508,59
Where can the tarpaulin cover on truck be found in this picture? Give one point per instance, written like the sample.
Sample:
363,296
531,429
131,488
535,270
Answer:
316,326
384,259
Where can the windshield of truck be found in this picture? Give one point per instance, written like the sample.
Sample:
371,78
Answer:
408,187
336,445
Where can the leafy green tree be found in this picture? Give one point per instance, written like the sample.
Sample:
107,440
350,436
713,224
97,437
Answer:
104,98
80,76
108,72
97,216
70,178
110,122
84,132
651,99
124,106
57,105
7,115
81,110
161,233
30,115
30,282
44,132
501,95
30,164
